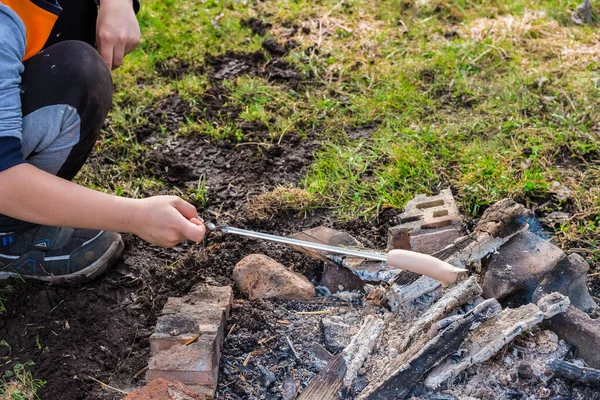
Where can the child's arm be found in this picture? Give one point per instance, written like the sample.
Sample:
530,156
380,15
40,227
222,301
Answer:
30,194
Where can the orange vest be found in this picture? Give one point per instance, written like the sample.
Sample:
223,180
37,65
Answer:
39,17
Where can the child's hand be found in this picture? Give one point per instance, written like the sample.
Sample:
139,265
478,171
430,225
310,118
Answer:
167,221
117,31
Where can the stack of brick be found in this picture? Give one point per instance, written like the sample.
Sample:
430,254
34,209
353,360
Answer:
427,225
199,318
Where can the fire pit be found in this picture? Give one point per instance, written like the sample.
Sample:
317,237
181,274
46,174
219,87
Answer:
514,326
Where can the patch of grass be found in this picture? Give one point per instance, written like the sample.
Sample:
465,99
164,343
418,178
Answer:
282,199
200,194
18,384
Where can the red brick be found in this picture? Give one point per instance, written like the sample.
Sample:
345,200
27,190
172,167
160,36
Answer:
428,224
219,297
204,311
432,242
161,389
172,329
196,364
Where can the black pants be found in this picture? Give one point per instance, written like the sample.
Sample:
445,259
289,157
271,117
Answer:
66,93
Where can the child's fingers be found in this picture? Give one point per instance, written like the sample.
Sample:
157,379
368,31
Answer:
197,221
193,231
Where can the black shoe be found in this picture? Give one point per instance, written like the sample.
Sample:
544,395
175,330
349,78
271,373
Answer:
58,255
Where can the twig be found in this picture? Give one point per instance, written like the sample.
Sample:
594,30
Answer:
252,353
479,56
104,385
320,39
314,312
56,306
594,274
230,330
193,339
292,347
579,250
141,371
265,340
253,144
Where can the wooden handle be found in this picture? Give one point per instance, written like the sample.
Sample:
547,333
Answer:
423,264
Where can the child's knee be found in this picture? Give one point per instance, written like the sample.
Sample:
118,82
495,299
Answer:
84,70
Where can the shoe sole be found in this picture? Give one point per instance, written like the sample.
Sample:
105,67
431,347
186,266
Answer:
99,267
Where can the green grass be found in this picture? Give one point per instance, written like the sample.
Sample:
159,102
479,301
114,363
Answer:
486,97
18,384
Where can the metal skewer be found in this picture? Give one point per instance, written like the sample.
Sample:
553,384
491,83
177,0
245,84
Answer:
301,243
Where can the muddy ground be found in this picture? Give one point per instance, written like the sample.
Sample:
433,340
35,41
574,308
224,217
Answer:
101,330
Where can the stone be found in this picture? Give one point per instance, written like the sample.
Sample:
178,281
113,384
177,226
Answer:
336,334
195,364
584,14
569,278
427,225
268,377
290,388
260,277
526,373
366,270
518,266
162,389
578,329
324,235
337,278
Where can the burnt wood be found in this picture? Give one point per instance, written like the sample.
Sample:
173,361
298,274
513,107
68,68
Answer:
572,372
421,357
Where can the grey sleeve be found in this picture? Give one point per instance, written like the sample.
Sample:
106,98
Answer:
12,49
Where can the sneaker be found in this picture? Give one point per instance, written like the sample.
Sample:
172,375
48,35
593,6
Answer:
59,256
